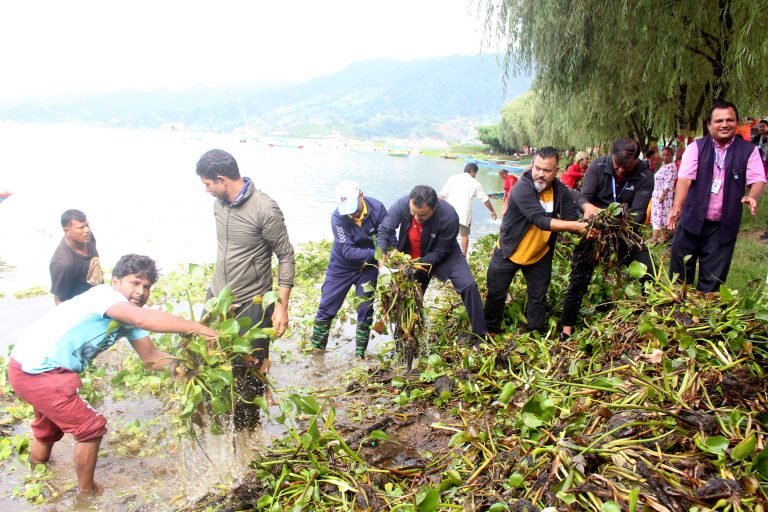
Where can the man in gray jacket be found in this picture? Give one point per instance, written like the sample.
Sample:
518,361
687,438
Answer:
538,206
249,228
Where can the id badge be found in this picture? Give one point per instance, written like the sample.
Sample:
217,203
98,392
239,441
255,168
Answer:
716,184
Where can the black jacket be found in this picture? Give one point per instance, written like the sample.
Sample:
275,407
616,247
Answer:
636,190
524,210
438,237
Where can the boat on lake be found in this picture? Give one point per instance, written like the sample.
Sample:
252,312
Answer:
499,165
284,145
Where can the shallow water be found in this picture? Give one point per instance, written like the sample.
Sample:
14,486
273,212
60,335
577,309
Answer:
172,471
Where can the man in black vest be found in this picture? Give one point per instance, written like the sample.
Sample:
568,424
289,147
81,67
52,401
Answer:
713,175
622,178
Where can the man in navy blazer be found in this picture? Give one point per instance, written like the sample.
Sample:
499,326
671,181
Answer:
426,229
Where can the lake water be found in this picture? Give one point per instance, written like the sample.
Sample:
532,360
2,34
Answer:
141,194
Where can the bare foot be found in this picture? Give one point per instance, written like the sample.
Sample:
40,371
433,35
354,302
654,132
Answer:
96,489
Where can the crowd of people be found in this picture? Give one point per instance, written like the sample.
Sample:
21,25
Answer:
701,201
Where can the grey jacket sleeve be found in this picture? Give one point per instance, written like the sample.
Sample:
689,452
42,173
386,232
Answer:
276,234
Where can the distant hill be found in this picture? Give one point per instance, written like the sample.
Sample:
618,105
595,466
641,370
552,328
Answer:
439,97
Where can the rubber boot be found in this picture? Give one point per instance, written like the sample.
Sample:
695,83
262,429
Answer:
320,332
361,339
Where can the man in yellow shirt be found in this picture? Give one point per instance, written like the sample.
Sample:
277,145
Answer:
538,206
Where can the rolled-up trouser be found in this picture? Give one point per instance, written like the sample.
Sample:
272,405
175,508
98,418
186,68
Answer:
248,384
457,270
337,282
58,406
501,271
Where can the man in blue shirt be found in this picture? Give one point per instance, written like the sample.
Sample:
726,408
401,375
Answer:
354,224
46,362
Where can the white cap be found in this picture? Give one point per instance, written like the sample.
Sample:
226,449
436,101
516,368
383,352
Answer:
347,193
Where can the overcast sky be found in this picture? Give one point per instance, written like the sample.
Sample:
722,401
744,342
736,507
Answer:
61,47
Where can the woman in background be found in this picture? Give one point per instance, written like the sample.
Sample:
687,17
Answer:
663,191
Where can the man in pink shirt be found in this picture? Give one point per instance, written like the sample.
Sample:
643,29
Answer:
714,173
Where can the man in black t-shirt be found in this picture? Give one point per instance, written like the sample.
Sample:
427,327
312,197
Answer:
75,264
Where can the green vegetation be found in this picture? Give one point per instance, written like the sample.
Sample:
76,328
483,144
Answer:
34,291
655,384
645,69
614,418
750,264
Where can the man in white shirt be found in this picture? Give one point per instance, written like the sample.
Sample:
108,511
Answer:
459,191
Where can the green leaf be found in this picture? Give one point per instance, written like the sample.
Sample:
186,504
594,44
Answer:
515,480
531,420
760,464
715,444
637,269
634,494
610,506
506,393
498,507
435,361
745,448
379,434
220,374
428,501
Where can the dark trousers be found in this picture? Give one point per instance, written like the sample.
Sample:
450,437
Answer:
336,285
582,269
501,271
713,257
248,383
457,270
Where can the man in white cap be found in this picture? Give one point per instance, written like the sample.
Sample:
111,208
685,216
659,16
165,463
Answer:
354,223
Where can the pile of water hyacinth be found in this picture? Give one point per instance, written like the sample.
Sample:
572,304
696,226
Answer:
658,402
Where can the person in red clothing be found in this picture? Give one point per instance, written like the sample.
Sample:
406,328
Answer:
572,176
509,182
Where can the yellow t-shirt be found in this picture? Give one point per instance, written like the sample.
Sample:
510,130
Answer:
535,243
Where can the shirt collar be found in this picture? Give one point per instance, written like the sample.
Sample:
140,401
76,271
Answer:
358,220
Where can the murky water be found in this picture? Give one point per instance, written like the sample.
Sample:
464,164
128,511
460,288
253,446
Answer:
171,471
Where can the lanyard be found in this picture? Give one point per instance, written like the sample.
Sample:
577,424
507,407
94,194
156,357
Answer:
720,164
615,197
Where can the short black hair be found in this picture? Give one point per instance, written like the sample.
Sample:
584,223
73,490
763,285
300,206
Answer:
423,195
471,167
142,266
668,148
215,163
763,121
548,152
719,105
625,150
68,216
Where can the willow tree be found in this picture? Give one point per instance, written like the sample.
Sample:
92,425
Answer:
635,67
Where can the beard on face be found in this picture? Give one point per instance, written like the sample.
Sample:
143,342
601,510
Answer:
540,186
